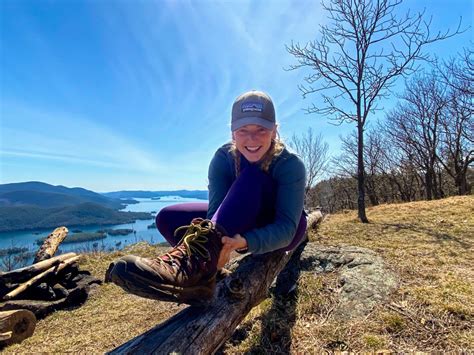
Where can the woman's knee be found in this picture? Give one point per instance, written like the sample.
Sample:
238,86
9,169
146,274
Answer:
163,222
162,216
171,217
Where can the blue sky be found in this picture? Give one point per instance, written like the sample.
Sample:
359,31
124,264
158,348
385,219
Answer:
111,95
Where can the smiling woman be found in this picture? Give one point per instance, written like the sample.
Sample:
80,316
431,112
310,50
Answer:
256,192
253,141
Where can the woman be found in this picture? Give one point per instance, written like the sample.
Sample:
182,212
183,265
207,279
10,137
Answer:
256,192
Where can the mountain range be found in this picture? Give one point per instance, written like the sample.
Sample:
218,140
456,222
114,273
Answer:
43,195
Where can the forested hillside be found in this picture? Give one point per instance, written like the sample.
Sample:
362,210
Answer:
32,217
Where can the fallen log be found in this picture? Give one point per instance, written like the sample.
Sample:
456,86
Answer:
27,272
51,244
16,325
74,298
315,218
203,330
53,269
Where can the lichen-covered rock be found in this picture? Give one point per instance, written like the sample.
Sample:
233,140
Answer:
364,278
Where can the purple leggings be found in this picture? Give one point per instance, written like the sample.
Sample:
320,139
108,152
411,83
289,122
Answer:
249,204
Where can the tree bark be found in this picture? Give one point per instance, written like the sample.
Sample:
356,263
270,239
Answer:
429,184
51,244
371,190
16,326
461,181
202,330
361,175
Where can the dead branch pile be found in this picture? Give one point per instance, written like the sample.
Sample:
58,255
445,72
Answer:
50,284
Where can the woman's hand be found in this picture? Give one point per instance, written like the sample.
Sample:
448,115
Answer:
228,246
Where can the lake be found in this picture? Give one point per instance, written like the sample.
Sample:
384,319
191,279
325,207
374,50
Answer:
27,239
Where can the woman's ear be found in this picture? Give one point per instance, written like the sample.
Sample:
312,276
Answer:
275,131
233,136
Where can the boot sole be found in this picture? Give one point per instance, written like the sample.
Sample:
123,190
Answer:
200,295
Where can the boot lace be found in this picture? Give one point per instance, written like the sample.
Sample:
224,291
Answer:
193,241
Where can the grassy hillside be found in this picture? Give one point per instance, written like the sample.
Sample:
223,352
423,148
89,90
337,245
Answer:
428,244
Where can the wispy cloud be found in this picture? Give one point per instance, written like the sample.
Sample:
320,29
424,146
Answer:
60,136
139,94
60,157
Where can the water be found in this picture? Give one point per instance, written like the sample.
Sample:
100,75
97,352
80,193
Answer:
27,239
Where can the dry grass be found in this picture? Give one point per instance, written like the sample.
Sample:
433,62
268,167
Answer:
108,318
428,244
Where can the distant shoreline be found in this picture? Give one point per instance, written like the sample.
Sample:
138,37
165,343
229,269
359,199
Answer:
40,230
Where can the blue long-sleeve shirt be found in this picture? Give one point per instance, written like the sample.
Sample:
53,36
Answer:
289,173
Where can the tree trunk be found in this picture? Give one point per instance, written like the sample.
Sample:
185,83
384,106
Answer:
51,244
428,185
461,182
361,174
370,188
16,326
441,182
463,186
436,184
198,330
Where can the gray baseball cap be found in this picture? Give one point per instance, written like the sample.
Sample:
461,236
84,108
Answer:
253,107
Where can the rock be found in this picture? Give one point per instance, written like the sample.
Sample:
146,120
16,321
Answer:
364,278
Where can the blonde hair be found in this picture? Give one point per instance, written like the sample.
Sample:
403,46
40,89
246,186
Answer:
276,147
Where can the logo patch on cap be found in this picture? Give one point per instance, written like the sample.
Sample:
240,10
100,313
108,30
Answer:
252,107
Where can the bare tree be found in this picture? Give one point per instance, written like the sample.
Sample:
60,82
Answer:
335,194
457,126
314,152
13,257
458,73
414,126
373,155
404,179
356,61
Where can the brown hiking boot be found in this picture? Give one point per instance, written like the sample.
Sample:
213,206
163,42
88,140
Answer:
186,274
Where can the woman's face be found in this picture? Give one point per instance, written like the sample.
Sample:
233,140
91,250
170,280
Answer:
253,141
